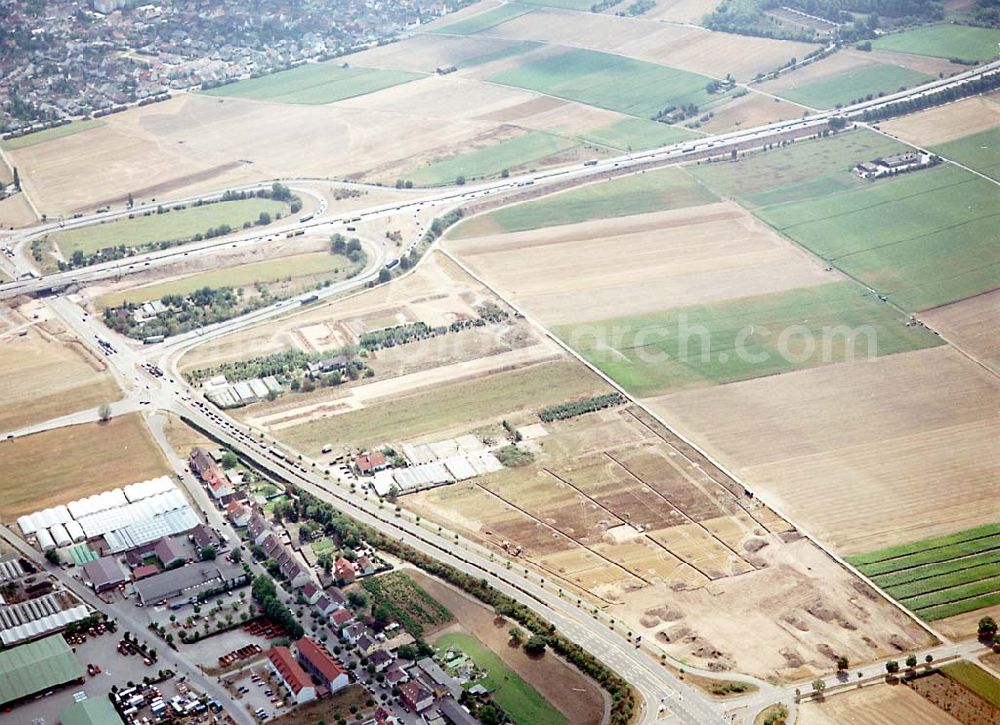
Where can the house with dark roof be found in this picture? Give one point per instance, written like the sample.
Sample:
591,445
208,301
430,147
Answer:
104,573
337,596
363,566
353,632
257,528
202,536
311,592
324,606
395,674
366,644
200,462
320,665
299,685
170,551
440,682
381,659
455,714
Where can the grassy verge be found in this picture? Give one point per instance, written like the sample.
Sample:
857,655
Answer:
315,264
50,134
976,679
315,84
167,227
637,194
517,698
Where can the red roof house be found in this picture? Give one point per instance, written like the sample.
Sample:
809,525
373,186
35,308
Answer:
297,682
317,662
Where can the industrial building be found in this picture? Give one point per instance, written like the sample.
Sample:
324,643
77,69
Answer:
92,711
179,586
36,667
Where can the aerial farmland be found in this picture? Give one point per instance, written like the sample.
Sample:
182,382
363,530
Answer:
510,362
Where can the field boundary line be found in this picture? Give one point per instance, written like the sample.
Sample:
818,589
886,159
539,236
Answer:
683,513
815,540
563,534
645,535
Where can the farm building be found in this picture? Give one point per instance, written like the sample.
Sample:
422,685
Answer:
435,473
125,518
291,674
415,696
92,711
104,573
455,714
320,665
170,552
894,164
237,513
369,463
37,667
187,582
35,617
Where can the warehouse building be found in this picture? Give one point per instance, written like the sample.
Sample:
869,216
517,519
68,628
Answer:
92,711
180,586
36,667
103,574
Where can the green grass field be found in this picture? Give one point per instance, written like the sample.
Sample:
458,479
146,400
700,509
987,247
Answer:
976,679
924,239
638,133
517,698
169,227
940,577
744,338
778,175
845,88
483,21
633,87
330,266
510,153
315,84
464,403
659,190
50,134
945,41
510,50
584,5
980,151
915,547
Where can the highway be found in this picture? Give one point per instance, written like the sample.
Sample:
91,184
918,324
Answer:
657,684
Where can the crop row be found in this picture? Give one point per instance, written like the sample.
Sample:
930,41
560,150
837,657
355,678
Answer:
954,594
947,581
960,607
928,571
931,556
916,547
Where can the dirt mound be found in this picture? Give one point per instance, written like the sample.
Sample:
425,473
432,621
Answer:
898,643
674,634
754,545
864,590
666,614
827,651
826,614
797,622
792,658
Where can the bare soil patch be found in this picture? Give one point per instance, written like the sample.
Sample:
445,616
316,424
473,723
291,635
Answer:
753,109
666,259
949,122
832,447
969,324
874,705
92,457
958,701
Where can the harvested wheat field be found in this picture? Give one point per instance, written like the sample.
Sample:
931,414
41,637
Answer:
753,109
949,122
970,325
48,373
427,53
195,143
15,211
686,47
687,256
865,454
614,506
679,11
93,457
874,705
